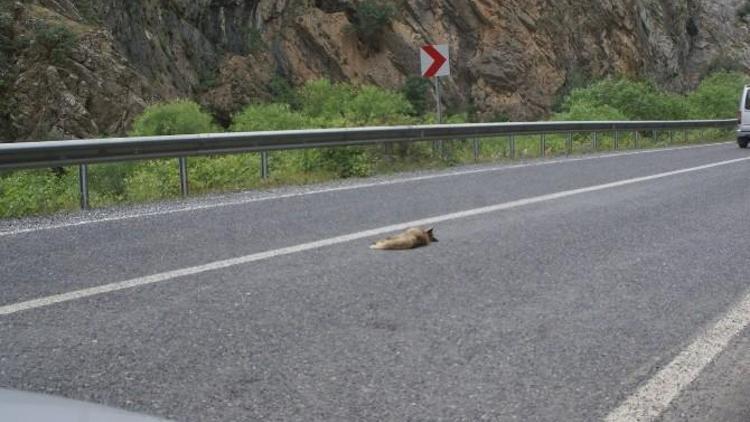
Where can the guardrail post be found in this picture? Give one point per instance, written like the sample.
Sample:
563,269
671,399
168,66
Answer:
83,185
595,141
264,165
671,137
512,146
637,139
475,149
653,136
616,141
388,148
569,144
183,176
685,135
542,145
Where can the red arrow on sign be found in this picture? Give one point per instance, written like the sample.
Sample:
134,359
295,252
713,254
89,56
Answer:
437,61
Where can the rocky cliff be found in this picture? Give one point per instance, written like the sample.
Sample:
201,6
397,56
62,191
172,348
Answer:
78,68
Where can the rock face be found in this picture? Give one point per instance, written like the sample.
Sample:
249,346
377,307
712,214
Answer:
509,58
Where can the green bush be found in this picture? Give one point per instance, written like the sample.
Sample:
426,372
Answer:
576,78
348,162
255,42
7,34
586,111
108,182
635,100
32,192
340,105
371,18
226,172
8,49
262,117
269,117
717,97
326,101
744,10
87,10
283,92
323,105
54,42
621,99
173,118
417,91
153,180
37,191
371,105
157,179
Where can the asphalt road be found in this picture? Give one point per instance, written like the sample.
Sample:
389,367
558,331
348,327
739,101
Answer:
556,310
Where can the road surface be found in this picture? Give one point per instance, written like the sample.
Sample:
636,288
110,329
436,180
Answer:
559,290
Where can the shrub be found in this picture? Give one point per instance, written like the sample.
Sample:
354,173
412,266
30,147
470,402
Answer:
283,92
269,117
326,101
7,33
37,191
576,78
87,10
154,179
173,118
255,42
348,161
279,117
744,10
333,105
635,100
224,172
416,90
586,112
717,96
371,18
54,42
376,106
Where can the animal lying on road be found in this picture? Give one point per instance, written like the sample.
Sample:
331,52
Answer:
411,238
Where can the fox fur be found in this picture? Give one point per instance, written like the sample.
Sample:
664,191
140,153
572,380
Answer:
409,239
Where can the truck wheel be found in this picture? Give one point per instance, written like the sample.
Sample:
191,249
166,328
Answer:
742,142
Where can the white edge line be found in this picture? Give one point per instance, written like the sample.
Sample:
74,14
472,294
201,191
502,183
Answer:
345,188
649,401
160,277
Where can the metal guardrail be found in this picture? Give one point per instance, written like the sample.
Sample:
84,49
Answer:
23,155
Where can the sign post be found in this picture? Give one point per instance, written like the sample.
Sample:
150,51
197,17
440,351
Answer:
439,105
435,62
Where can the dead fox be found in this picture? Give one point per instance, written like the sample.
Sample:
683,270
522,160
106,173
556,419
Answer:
411,238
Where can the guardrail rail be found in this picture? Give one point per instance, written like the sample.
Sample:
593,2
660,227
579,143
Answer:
25,155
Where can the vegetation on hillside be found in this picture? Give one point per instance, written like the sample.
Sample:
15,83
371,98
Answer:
53,43
323,104
744,11
621,99
371,18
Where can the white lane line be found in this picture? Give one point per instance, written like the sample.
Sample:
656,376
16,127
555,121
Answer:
355,186
169,275
653,398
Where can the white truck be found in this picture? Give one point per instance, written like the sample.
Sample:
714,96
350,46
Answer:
743,118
